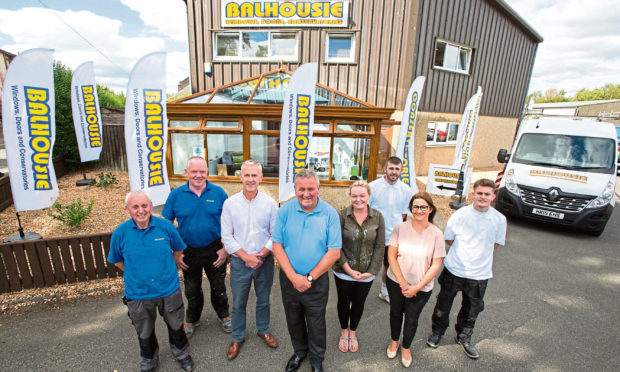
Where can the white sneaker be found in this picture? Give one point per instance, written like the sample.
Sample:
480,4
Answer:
384,297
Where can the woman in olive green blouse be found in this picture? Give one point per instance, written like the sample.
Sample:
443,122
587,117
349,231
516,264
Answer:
363,243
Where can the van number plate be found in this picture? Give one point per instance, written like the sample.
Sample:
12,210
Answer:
547,213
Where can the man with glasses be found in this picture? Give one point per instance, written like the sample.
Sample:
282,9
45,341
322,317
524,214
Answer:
473,233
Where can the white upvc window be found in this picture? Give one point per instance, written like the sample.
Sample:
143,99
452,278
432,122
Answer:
452,57
255,46
441,133
340,47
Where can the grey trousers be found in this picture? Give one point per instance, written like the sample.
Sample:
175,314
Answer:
143,314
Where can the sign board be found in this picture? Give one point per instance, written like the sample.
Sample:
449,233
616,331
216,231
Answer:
442,180
264,13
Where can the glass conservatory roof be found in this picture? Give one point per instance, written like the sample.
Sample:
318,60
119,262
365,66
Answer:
269,88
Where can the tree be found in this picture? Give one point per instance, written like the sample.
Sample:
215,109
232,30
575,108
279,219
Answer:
109,98
608,91
66,143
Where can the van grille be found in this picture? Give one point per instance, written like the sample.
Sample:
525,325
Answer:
564,203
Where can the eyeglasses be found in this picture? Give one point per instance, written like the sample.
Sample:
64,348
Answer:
422,208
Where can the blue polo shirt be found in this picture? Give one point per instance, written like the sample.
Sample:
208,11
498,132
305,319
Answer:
306,237
198,217
150,271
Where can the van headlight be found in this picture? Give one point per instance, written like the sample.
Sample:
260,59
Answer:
511,182
607,196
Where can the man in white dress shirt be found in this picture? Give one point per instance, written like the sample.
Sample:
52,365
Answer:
248,218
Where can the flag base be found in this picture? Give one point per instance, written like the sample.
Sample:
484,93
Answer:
19,238
85,182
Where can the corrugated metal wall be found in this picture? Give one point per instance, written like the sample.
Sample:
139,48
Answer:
384,44
502,57
387,58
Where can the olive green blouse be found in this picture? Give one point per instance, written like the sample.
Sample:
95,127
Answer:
362,246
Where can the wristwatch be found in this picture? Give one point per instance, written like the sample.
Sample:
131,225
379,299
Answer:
310,278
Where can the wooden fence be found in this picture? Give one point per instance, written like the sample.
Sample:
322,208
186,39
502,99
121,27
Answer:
44,263
113,154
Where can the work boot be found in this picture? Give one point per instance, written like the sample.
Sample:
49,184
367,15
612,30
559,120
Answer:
468,348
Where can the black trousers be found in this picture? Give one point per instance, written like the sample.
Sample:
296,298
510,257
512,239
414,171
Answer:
199,259
305,317
351,298
472,304
409,307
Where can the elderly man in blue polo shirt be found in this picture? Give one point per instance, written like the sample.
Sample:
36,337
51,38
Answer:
148,249
306,243
197,207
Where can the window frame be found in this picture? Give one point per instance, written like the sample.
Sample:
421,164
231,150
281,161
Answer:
350,59
239,56
455,45
434,142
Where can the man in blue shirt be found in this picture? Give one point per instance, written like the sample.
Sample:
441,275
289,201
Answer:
306,243
148,249
197,207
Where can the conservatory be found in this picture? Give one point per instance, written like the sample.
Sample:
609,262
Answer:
239,121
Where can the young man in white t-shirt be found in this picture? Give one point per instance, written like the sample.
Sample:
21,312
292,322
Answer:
473,233
391,197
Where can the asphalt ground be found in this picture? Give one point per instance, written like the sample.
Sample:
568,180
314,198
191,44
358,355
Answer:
552,306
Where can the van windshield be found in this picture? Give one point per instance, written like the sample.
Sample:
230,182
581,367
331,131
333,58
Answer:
586,154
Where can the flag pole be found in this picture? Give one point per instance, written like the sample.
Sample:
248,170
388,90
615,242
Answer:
22,236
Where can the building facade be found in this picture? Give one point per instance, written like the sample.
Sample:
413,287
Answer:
373,50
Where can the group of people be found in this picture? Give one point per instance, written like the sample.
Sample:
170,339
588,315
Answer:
307,237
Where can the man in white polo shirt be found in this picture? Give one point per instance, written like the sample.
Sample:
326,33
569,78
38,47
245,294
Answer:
473,233
390,196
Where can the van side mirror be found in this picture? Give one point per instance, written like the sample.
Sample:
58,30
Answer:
503,156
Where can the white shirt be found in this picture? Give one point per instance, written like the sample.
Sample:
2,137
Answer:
248,224
391,200
474,234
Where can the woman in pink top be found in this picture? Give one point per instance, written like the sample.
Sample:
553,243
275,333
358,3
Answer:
415,253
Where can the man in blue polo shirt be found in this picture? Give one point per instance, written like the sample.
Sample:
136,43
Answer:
148,249
197,207
306,243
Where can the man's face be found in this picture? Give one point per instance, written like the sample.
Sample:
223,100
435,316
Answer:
251,176
139,208
392,172
197,173
483,196
307,192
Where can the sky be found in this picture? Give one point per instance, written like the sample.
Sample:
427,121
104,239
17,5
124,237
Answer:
581,47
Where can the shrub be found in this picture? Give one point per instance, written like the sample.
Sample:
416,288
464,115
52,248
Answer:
106,179
72,214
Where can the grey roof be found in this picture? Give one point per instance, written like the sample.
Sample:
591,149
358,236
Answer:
571,104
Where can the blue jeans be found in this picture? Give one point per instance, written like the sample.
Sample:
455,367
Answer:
241,278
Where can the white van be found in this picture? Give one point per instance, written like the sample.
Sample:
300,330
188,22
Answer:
561,171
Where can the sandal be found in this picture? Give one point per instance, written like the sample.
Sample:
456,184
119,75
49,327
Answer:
353,341
343,345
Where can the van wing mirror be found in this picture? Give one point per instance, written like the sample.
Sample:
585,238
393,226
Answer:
503,156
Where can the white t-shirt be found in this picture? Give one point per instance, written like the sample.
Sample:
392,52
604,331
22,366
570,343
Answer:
416,252
474,234
391,200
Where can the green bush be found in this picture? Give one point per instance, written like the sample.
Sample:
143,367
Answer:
72,214
106,179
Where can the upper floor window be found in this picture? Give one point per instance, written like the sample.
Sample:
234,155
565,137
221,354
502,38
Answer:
441,133
340,47
259,45
452,57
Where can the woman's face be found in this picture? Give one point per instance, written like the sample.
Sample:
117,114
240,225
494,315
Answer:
359,197
420,210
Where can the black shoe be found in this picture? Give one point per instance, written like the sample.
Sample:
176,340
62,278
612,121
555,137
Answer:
187,364
468,348
317,367
294,363
433,340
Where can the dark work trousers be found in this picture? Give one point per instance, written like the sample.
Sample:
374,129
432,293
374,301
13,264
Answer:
351,298
410,307
143,314
305,317
199,259
472,292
